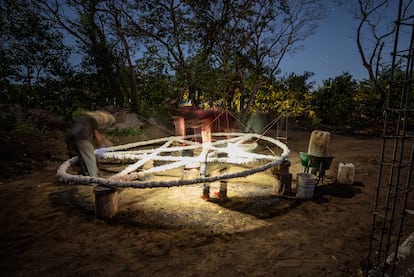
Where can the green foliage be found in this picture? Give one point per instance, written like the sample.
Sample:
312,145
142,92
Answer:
291,94
7,120
298,84
124,132
31,43
78,113
365,103
333,102
212,52
206,84
25,129
153,85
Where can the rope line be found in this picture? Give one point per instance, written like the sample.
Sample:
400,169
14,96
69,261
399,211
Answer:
212,152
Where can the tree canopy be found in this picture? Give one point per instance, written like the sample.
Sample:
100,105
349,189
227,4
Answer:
136,54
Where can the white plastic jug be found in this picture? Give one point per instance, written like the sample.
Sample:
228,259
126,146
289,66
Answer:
346,173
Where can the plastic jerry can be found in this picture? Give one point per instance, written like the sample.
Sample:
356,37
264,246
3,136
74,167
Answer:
346,173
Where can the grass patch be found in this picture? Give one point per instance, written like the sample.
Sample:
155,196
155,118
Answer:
25,128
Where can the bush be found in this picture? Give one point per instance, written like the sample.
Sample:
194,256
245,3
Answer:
7,119
124,132
26,129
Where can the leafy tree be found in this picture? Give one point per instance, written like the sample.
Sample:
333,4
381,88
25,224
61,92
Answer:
32,50
88,23
153,84
164,25
298,83
249,39
374,38
241,41
365,103
117,21
334,101
291,94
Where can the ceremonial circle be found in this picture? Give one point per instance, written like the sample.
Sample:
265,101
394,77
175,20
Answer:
255,152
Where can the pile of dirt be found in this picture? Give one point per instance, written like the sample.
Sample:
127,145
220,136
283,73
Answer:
36,138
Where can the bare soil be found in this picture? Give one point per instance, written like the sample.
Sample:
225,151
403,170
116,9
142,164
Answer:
48,228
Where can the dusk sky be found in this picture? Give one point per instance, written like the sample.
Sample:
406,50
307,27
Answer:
332,50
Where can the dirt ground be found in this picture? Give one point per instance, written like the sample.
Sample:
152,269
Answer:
48,228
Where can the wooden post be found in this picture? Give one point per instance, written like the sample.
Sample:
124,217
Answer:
206,142
190,173
106,202
179,124
206,130
282,184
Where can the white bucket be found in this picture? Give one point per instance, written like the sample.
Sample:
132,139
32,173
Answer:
346,173
305,185
318,143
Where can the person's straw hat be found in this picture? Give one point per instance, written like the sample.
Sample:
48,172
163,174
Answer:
104,119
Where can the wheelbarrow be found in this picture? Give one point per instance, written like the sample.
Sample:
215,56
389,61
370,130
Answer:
317,165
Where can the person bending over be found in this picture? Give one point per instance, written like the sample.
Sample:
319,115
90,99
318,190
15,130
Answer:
85,136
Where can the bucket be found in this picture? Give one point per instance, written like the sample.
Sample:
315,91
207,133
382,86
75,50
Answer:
346,173
305,185
318,143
